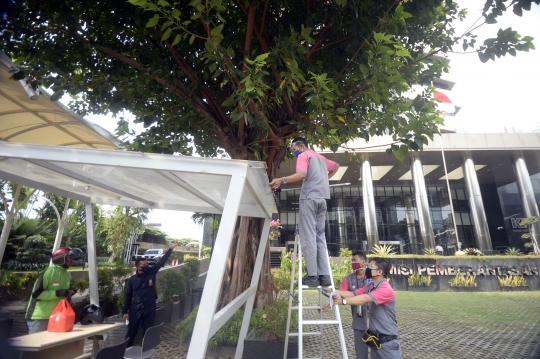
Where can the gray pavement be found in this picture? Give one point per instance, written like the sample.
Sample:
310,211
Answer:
422,334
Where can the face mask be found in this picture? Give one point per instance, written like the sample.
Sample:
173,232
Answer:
297,153
145,269
356,266
368,273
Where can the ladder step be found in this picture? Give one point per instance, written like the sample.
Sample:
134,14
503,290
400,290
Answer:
304,333
319,322
307,307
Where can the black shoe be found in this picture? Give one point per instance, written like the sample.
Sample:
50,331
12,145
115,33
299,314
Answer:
310,281
325,281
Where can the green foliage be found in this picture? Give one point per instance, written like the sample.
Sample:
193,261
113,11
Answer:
120,224
14,285
419,280
105,284
172,285
513,252
341,271
512,281
321,70
190,271
533,243
81,284
154,235
430,251
384,250
271,321
345,252
462,280
206,252
281,280
34,254
473,252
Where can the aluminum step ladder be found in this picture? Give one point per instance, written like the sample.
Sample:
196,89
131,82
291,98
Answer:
321,322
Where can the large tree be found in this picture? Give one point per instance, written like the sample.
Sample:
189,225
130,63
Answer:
241,77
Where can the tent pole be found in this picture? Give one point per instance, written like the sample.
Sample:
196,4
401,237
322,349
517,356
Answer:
91,251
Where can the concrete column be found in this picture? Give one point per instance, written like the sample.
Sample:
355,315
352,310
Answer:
411,225
370,215
530,207
422,204
91,251
481,230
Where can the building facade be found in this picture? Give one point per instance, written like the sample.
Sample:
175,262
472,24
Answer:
463,190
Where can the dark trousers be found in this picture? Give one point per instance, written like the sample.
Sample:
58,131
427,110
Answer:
138,316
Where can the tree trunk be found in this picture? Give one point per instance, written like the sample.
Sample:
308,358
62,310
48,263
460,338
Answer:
5,233
244,246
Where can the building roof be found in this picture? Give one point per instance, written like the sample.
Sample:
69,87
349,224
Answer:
42,121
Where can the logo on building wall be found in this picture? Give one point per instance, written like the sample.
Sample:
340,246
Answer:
516,225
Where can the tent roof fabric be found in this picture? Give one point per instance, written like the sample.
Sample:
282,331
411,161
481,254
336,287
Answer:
43,121
137,179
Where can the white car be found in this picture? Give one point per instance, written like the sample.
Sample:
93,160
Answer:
153,255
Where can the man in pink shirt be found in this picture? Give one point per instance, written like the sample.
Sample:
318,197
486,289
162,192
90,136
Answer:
382,335
314,170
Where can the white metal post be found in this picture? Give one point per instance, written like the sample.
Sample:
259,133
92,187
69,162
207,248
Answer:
214,279
91,250
254,281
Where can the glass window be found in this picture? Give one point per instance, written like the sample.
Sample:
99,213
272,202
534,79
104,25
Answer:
466,219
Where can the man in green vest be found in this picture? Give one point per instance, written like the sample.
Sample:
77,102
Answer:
52,285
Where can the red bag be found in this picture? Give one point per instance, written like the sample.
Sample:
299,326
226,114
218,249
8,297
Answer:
62,318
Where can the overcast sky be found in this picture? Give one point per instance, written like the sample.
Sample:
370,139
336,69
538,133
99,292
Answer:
498,93
491,96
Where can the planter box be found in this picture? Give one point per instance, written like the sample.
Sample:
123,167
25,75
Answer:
260,348
521,288
163,314
187,306
175,312
465,289
109,308
196,297
421,288
77,308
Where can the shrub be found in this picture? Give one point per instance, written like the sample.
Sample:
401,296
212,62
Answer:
105,285
461,280
473,252
385,250
10,285
272,320
170,285
34,254
512,281
81,284
430,251
512,252
345,252
340,271
417,280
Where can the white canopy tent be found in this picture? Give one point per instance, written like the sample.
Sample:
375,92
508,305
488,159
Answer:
231,187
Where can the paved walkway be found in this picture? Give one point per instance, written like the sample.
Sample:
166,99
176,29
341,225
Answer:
422,335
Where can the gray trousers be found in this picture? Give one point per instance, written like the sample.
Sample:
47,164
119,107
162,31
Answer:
312,238
360,347
36,326
389,350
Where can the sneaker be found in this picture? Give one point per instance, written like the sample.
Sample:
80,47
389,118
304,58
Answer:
310,281
325,281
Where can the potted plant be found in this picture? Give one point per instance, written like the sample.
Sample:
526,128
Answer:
420,283
513,283
82,285
266,340
171,286
464,283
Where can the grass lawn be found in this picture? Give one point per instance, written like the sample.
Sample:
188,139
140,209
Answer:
486,309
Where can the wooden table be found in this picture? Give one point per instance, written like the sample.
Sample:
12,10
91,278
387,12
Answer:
49,345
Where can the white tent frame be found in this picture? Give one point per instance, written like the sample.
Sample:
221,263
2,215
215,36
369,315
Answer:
247,194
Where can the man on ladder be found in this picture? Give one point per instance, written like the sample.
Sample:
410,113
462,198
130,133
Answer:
315,170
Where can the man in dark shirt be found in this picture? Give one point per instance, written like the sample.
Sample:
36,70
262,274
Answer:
141,288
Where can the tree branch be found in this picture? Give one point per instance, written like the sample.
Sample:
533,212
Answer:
264,16
366,39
